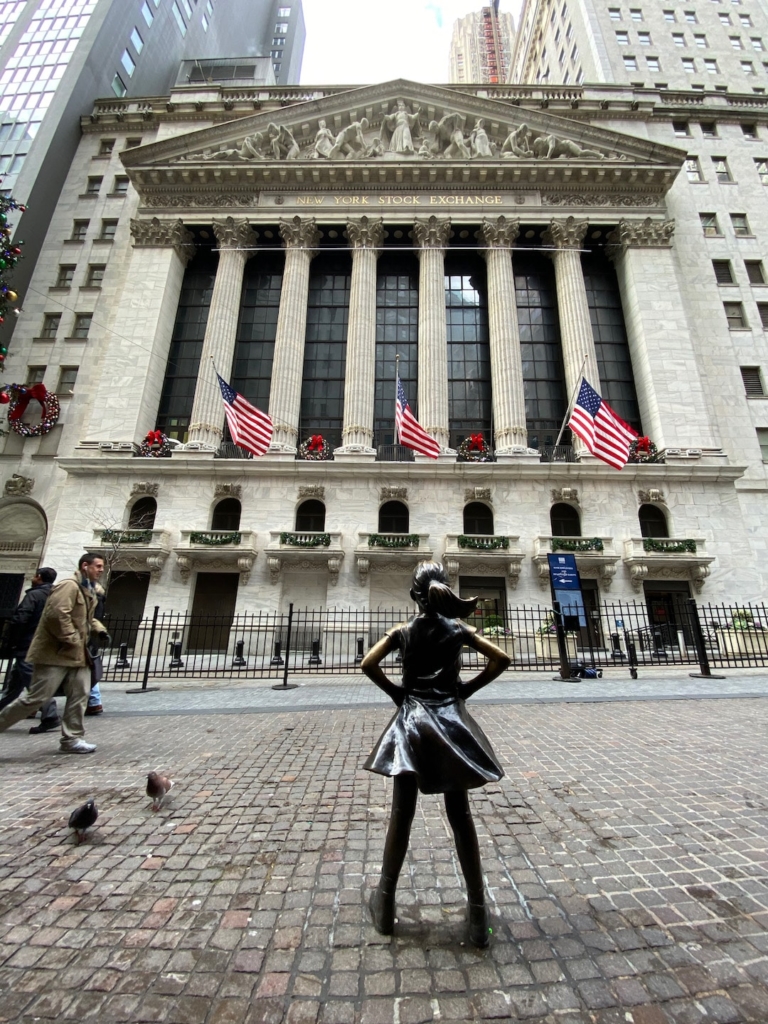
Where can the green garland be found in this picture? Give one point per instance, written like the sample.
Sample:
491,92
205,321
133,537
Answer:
322,540
580,544
215,540
381,540
483,543
670,547
126,536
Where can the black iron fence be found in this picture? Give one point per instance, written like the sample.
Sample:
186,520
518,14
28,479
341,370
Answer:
271,645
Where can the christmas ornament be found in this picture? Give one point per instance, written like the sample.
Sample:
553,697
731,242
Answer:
315,449
20,397
156,445
10,254
475,449
642,449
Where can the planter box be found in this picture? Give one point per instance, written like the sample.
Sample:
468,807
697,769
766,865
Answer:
743,642
546,646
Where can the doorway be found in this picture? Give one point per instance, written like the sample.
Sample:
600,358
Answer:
213,609
591,635
491,592
126,599
668,612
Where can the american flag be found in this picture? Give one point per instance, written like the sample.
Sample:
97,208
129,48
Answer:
250,428
409,433
604,433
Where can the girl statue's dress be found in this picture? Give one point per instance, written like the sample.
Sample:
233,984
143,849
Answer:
433,744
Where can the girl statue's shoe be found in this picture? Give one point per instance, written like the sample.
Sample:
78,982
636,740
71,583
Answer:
382,908
479,930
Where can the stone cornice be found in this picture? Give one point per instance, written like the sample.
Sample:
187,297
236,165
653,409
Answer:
300,233
431,233
366,233
156,233
499,233
234,234
565,234
640,234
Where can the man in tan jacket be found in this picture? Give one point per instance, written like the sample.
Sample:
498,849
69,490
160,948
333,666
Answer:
60,657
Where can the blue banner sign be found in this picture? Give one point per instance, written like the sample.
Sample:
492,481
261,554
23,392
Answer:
566,588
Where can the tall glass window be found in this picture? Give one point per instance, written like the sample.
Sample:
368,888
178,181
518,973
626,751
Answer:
255,348
617,384
397,330
469,363
543,375
187,346
322,390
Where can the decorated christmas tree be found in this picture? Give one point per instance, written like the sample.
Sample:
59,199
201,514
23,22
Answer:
10,254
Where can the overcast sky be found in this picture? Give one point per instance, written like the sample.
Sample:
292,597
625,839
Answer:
364,41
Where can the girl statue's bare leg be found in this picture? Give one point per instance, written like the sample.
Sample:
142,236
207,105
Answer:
460,818
382,901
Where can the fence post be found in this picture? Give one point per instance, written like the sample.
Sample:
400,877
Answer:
122,657
277,658
699,641
360,653
239,660
562,644
144,688
285,685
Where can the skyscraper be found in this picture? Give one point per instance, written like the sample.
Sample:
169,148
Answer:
481,46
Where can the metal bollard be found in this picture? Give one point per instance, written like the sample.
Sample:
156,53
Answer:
658,644
616,652
632,654
314,658
122,657
359,655
176,662
276,658
239,660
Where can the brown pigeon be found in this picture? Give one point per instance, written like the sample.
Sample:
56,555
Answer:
83,818
157,787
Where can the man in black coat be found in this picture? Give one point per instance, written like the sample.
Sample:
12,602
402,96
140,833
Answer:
21,628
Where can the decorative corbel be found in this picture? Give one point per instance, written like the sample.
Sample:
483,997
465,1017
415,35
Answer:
451,566
513,574
334,568
637,574
274,565
155,565
184,563
228,491
606,573
543,568
651,496
566,494
312,491
393,494
363,568
477,494
699,575
245,564
144,487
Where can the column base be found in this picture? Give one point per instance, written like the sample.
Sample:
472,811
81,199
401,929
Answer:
447,455
354,453
518,454
280,453
193,450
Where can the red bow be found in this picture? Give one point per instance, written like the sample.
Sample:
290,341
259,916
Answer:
37,391
643,444
154,437
476,443
316,443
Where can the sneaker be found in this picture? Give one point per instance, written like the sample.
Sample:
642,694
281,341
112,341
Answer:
94,709
47,725
77,747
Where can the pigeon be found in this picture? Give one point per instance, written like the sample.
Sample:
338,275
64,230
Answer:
157,787
82,819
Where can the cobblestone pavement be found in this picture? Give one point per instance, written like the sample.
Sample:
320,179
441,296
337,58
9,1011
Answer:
625,855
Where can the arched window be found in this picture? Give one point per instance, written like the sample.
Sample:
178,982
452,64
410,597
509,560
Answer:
393,517
142,514
653,522
478,518
565,521
310,517
226,515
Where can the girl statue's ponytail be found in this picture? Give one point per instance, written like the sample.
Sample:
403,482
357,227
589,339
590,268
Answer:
431,592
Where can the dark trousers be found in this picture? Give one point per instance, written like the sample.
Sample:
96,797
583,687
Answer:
21,677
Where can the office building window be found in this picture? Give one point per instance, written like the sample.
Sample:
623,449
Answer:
753,382
725,19
146,11
186,5
669,16
734,314
736,42
397,319
82,325
653,63
281,28
128,63
635,14
681,129
95,275
690,16
622,38
469,366
723,272
67,378
755,273
108,229
689,65
708,129
204,22
79,230
132,143
757,44
709,224
106,146
746,21
257,324
179,18
693,170
35,374
284,12
644,38
678,39
762,309
701,41
630,63
65,276
710,65
119,87
120,185
740,224
614,14
762,438
93,186
762,170
543,375
51,323
722,172
748,67
138,42
749,131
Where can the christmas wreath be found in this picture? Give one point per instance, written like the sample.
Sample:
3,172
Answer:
156,445
642,449
315,449
475,449
19,398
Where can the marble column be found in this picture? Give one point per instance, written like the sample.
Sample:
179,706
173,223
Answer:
509,424
577,340
431,237
670,394
300,236
235,238
365,237
125,378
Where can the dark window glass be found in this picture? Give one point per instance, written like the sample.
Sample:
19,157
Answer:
310,517
397,328
322,389
142,515
186,346
226,515
543,376
565,521
255,347
617,383
393,517
478,518
469,363
653,522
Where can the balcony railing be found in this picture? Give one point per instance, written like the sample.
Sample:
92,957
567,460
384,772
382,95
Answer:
394,453
558,453
229,450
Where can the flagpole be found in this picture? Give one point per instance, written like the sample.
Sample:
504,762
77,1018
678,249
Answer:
572,399
397,378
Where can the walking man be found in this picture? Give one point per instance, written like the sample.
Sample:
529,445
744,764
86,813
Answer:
59,655
22,628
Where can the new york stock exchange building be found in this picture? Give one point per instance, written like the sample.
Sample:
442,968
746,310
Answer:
500,242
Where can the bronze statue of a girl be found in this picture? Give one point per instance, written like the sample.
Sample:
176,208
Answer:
432,744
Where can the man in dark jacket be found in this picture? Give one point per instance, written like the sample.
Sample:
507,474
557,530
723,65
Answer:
21,629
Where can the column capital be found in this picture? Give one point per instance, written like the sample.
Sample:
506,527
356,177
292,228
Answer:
234,233
366,232
640,234
298,233
431,232
565,234
161,234
498,234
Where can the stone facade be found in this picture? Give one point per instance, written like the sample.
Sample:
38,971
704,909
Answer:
618,182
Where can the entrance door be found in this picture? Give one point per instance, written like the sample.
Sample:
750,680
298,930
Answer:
492,604
591,635
667,613
213,609
125,606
